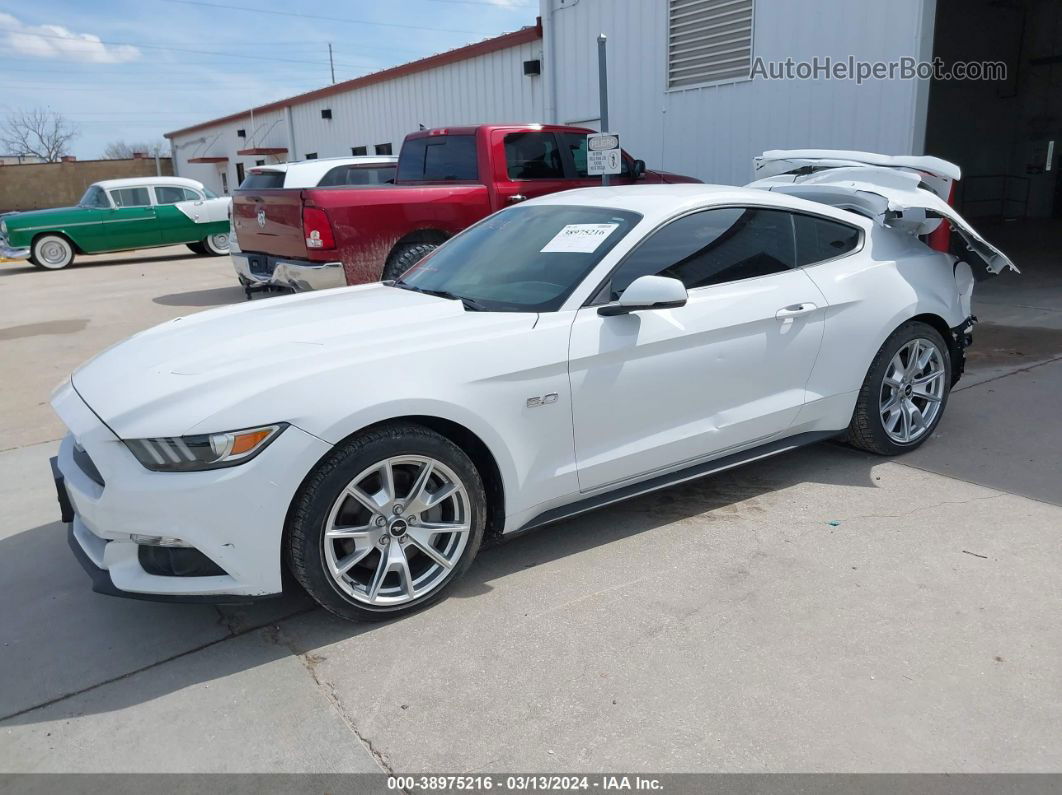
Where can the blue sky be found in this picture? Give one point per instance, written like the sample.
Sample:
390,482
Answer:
134,69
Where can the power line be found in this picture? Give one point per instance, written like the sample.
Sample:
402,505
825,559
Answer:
300,15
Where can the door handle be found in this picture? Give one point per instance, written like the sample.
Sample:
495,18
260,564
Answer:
516,197
795,310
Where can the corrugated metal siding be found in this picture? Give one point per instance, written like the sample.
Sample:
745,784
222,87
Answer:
713,132
483,89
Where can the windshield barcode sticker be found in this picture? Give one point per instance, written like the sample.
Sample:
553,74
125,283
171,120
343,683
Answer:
579,238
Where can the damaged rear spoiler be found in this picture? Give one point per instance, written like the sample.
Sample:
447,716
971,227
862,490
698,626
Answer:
908,193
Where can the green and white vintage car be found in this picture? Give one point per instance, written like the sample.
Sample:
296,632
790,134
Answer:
118,215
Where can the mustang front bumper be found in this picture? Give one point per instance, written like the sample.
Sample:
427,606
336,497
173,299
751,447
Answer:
228,522
262,270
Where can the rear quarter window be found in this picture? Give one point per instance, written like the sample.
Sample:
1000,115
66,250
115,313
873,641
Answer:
818,239
358,175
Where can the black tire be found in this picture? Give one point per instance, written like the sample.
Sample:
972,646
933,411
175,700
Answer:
51,252
197,248
304,547
405,257
867,428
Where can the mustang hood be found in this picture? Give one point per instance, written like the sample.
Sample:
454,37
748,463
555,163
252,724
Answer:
167,380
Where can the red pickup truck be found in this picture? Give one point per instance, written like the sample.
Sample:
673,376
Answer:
447,179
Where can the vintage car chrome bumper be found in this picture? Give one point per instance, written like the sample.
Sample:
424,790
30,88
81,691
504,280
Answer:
7,252
261,270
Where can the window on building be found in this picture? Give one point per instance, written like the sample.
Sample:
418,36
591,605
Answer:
311,155
713,247
439,158
170,194
224,182
259,162
131,197
382,149
708,41
819,239
359,151
239,173
533,155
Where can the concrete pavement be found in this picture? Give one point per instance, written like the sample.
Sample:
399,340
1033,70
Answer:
821,611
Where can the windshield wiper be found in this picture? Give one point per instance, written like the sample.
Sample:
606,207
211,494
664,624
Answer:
470,303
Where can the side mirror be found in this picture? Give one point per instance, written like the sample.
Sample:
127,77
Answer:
639,169
647,292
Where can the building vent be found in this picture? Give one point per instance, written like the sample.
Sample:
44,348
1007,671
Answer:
326,113
241,133
533,67
709,41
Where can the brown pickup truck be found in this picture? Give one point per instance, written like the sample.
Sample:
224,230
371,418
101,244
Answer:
447,179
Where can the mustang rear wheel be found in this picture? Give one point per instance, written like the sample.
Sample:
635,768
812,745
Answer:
387,523
904,393
52,252
216,245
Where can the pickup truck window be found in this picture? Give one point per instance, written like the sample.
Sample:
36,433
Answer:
438,158
357,175
263,180
533,155
523,259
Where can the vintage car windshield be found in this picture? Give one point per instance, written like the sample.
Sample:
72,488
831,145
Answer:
524,259
95,197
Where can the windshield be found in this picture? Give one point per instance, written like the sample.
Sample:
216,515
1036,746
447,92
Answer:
94,197
524,259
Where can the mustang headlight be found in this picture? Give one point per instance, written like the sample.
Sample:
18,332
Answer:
207,451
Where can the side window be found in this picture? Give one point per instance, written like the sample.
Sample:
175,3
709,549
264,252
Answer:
439,158
131,197
95,197
819,239
168,194
533,155
713,247
357,175
576,143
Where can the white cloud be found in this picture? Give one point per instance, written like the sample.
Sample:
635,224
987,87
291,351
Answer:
55,41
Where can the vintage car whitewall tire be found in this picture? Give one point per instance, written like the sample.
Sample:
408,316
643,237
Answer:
51,252
216,245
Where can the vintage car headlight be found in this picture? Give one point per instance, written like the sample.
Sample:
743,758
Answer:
3,228
206,451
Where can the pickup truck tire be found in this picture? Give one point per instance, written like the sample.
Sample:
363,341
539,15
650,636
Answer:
197,248
900,403
405,257
375,563
216,245
51,252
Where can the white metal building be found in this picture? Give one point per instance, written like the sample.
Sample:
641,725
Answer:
483,82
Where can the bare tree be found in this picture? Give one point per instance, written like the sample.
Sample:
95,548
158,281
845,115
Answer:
123,150
40,133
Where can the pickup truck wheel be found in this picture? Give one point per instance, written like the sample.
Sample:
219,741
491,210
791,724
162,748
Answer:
387,523
51,252
197,248
904,393
216,245
405,257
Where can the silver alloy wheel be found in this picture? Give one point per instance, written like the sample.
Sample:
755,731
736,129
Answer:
219,243
397,530
912,391
53,252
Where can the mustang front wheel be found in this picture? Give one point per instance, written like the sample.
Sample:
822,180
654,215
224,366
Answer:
387,523
51,252
904,393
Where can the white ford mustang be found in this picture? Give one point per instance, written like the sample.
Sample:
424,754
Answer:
566,353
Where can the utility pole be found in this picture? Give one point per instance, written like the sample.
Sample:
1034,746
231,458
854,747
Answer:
602,82
331,63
